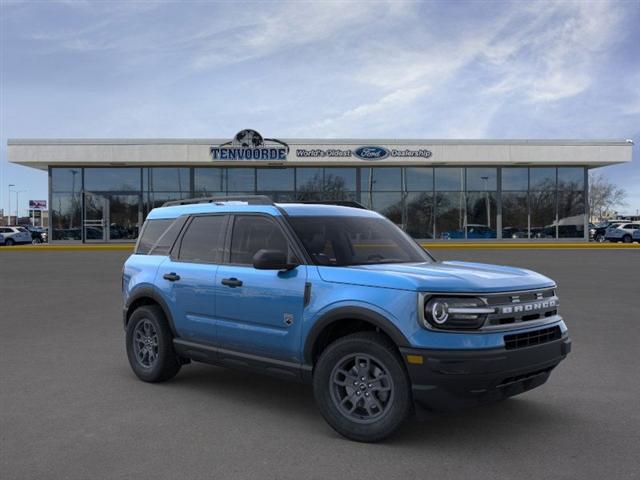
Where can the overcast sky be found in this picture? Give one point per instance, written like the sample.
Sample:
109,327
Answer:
325,69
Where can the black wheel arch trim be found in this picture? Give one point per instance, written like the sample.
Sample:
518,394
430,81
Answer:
151,293
351,313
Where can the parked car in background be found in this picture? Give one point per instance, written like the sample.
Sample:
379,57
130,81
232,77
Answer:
15,235
38,234
599,231
636,236
622,232
514,232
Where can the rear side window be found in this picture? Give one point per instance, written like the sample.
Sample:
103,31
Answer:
152,231
253,233
203,241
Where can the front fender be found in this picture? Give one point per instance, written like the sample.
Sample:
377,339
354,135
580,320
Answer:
350,310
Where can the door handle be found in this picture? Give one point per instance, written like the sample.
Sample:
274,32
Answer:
231,282
172,277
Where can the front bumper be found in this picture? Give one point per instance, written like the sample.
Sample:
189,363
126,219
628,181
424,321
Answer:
451,379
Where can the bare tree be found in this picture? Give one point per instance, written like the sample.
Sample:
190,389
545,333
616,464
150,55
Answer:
604,196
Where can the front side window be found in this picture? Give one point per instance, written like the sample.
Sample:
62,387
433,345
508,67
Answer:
344,241
203,241
252,233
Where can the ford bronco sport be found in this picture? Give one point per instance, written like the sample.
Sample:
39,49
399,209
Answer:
338,297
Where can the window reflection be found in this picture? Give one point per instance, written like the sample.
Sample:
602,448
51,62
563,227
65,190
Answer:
66,179
449,208
167,179
571,214
543,214
482,179
542,178
570,178
275,179
66,216
515,214
449,179
481,215
419,214
241,180
381,179
112,179
419,179
208,181
515,179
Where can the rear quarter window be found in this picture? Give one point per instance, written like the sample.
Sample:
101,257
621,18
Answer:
151,233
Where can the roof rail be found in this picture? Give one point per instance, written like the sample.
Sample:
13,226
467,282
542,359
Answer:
342,203
249,199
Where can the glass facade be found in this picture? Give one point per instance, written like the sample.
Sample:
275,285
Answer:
110,203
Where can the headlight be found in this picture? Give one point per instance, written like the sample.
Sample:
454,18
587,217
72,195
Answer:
455,312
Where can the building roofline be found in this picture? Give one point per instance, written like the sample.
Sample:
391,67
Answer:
317,141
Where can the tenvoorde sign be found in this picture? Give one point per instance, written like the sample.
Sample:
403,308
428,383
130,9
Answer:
249,145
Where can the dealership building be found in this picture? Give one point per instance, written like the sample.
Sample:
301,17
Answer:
101,190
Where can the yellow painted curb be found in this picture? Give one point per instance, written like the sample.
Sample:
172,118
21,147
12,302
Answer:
49,248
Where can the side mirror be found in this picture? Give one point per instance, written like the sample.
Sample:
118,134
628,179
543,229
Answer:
272,260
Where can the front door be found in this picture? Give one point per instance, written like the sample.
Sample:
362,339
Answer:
96,208
111,217
259,311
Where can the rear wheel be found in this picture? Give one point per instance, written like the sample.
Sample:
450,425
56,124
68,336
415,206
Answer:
626,239
362,388
150,345
9,242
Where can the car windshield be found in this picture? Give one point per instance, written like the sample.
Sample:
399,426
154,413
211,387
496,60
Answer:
343,241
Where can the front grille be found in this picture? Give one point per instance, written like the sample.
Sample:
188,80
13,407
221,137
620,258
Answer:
514,308
528,339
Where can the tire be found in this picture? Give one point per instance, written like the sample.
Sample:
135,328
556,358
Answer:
626,239
338,387
36,241
148,329
9,242
599,238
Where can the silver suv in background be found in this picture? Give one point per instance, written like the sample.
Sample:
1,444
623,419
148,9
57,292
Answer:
622,232
14,235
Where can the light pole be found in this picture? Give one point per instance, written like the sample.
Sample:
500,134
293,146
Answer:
18,192
9,210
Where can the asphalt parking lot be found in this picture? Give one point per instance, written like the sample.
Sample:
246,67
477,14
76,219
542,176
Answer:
71,408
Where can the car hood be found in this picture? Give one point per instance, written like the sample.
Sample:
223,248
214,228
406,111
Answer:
438,277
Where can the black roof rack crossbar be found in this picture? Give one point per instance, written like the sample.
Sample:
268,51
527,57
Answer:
249,199
342,203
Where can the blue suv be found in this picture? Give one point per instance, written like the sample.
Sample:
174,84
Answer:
338,297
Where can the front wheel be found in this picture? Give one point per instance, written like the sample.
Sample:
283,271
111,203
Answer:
9,242
36,241
362,388
599,238
150,345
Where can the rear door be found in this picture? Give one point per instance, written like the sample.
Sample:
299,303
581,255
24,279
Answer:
187,278
259,312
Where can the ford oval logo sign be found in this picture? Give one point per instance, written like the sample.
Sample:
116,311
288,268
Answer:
371,153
